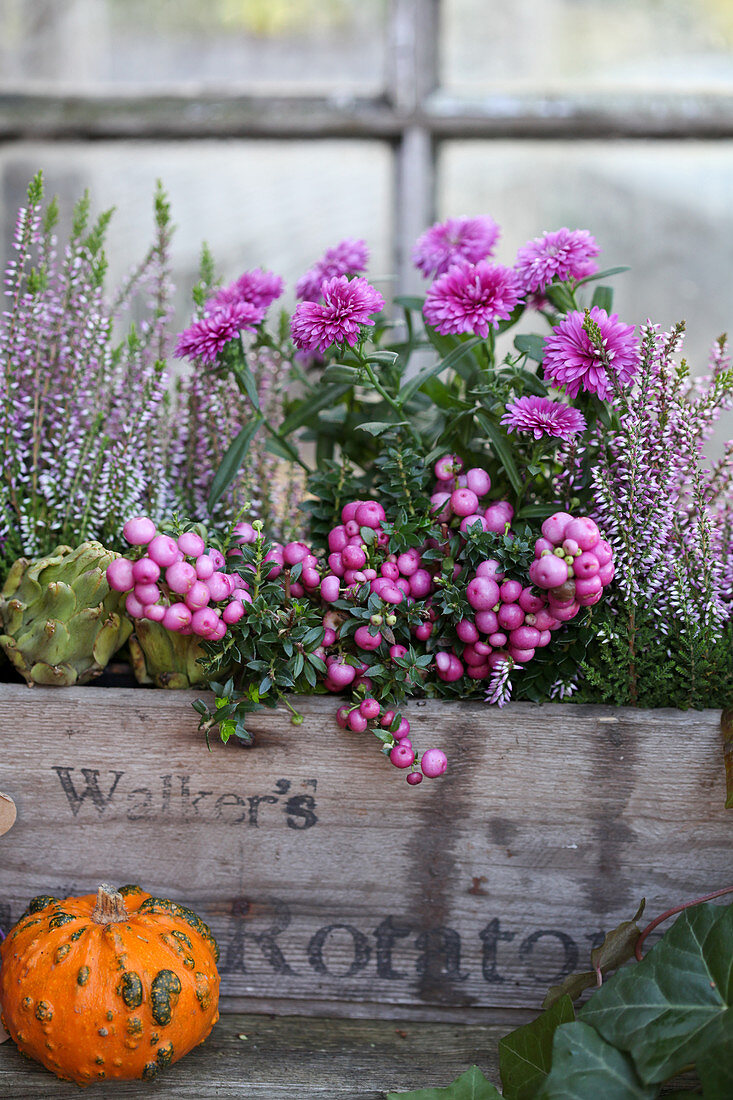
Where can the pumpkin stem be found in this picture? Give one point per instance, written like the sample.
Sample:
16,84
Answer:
110,906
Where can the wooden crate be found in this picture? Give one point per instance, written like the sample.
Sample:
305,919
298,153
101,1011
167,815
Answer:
330,884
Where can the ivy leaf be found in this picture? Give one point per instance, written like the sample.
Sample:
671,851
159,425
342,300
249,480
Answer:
525,1055
616,949
471,1085
674,1005
716,1073
585,1067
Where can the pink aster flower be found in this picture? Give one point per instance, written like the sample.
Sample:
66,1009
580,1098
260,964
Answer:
259,288
589,351
205,339
348,257
470,297
564,254
541,416
347,305
455,241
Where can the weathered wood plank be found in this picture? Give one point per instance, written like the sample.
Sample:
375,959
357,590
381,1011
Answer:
291,1059
327,880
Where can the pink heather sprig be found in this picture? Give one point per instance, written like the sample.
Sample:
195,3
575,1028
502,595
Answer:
499,691
661,506
348,257
455,241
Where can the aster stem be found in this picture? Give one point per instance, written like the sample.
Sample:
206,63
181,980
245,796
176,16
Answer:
383,392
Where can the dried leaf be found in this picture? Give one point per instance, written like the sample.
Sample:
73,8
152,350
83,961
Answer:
616,949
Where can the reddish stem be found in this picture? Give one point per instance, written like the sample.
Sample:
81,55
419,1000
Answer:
671,912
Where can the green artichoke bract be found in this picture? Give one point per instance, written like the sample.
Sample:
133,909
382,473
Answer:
165,658
60,620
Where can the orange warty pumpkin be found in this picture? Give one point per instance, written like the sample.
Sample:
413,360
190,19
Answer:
120,984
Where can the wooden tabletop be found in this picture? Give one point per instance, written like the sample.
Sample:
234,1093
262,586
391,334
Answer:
290,1058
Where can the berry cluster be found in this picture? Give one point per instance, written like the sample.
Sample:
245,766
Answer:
178,583
511,619
358,716
394,600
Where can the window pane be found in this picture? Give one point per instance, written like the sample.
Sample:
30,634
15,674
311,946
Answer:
223,44
661,207
546,44
272,204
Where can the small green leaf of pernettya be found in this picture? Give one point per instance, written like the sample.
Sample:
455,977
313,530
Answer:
531,346
687,985
585,1067
525,1055
232,461
471,1085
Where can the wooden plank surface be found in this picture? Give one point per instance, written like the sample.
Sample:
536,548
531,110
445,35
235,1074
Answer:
333,886
289,1058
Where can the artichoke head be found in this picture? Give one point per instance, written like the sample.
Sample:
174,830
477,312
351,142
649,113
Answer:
165,658
60,622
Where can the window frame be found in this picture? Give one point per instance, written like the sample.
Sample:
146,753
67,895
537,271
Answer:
412,114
